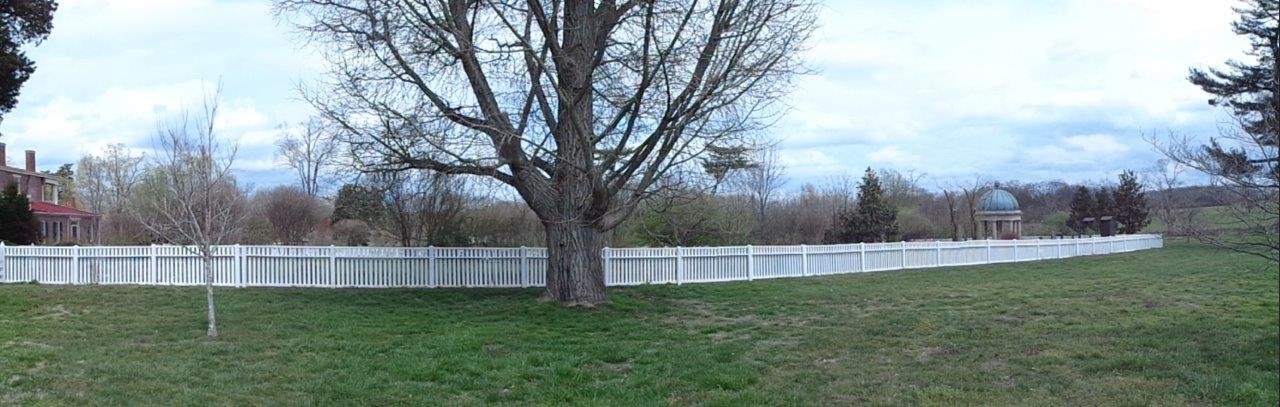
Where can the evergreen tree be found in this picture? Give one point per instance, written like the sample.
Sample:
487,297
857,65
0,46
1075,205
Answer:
1243,157
1131,204
357,202
720,161
1250,89
21,23
1081,207
1104,204
18,225
872,218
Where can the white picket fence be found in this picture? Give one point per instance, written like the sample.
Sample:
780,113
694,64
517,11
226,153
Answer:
293,266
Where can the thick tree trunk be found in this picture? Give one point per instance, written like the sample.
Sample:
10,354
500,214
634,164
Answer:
208,296
575,264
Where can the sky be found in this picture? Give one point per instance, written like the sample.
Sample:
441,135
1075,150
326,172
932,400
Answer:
1026,90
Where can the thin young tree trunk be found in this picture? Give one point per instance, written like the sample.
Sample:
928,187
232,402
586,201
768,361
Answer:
575,264
955,227
208,294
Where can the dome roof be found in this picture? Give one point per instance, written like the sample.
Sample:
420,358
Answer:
998,200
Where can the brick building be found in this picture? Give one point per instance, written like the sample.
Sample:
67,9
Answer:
59,221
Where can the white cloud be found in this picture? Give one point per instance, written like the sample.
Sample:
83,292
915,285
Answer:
64,128
915,76
894,156
1078,150
1104,144
111,69
808,163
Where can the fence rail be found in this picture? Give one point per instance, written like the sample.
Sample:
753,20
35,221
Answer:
293,266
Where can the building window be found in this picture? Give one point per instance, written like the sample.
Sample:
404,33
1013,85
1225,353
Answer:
75,230
44,229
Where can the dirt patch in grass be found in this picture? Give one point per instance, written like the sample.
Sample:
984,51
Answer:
56,312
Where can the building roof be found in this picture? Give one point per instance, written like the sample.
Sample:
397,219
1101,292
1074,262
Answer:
47,178
45,208
998,200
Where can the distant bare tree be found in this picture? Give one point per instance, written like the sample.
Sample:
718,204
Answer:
352,232
972,192
801,219
293,213
1170,205
762,182
422,208
92,186
580,107
902,190
951,210
685,213
190,197
310,151
843,188
497,222
104,184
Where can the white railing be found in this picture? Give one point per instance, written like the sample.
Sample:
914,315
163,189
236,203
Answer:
293,266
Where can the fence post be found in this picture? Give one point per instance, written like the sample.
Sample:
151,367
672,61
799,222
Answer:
238,258
333,266
862,257
432,279
751,263
524,265
4,275
75,264
988,250
679,265
804,260
904,254
151,265
605,260
1038,255
937,244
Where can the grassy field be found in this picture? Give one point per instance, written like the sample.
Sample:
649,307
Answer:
1212,217
1183,325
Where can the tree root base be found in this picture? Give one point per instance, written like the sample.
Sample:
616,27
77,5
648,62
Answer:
548,298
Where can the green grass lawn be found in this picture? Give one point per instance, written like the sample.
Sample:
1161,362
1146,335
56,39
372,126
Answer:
1183,325
1212,217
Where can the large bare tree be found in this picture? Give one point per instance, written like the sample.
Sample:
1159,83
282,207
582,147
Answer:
579,106
189,196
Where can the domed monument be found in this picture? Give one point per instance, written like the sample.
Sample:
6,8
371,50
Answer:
999,214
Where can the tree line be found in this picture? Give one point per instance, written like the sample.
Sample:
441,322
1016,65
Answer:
742,198
1125,204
